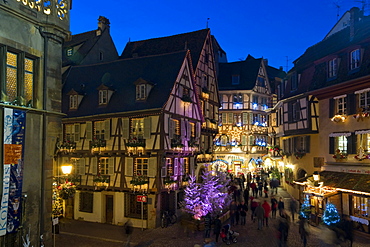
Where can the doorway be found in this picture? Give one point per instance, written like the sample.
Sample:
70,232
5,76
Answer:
109,209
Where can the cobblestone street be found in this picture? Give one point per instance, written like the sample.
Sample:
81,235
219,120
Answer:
87,234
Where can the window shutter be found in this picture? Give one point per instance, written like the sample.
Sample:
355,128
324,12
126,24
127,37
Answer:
351,104
331,108
251,122
245,118
188,130
244,140
111,166
77,132
183,129
230,118
125,128
224,118
181,167
176,167
80,166
88,130
152,167
251,140
191,165
198,130
170,128
331,145
352,144
129,166
94,166
307,144
147,128
164,171
107,129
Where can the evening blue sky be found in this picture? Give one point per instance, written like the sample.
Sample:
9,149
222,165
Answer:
263,28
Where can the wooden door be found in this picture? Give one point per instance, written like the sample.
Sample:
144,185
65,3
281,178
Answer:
109,209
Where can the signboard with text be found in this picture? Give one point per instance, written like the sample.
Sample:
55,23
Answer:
141,198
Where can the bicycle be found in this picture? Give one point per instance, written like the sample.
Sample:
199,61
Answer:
168,218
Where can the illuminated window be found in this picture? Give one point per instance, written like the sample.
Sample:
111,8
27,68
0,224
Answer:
103,97
73,99
355,59
341,143
186,166
141,92
363,140
360,206
341,105
69,52
11,76
332,67
137,127
99,130
141,167
169,166
28,80
364,100
104,166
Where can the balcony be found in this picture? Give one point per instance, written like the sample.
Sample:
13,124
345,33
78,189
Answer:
66,146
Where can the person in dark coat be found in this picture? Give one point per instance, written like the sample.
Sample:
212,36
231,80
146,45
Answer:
302,228
260,214
254,205
128,230
274,204
217,227
281,206
293,207
233,209
207,225
246,195
260,187
283,228
347,227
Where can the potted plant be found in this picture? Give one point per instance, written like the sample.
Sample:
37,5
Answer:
339,156
66,190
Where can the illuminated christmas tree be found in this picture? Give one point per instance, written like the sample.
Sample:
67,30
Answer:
192,200
330,216
305,208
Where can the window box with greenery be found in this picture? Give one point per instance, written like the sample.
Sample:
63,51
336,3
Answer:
277,151
136,142
139,180
339,156
98,143
176,142
168,181
299,154
66,146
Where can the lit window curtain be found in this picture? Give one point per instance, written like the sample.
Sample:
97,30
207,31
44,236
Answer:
11,76
29,80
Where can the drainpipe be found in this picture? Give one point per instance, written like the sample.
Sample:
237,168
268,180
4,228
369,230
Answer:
43,149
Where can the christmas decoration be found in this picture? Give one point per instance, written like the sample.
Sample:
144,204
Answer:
330,216
305,211
66,190
192,200
339,156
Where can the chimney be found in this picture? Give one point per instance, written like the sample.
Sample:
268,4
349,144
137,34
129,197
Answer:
103,23
355,17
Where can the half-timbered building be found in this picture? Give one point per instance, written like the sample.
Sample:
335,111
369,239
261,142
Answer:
245,94
133,129
200,43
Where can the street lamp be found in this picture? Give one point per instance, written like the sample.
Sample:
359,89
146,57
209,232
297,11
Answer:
66,169
316,176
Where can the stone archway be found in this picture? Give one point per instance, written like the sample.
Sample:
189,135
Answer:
301,173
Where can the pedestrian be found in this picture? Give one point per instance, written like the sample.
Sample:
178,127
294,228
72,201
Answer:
242,178
246,195
128,230
267,209
293,207
266,191
260,187
274,204
254,205
281,206
253,186
260,214
237,213
207,225
303,230
243,208
217,227
233,209
283,229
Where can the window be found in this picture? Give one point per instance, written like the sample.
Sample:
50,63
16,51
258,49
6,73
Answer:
364,100
69,52
186,166
341,143
360,206
86,202
355,59
141,167
169,165
73,99
68,134
141,92
99,130
363,140
104,166
103,97
235,79
341,105
332,67
238,101
296,111
137,127
133,208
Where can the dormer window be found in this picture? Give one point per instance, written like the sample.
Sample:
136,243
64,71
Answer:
141,92
103,97
332,68
69,52
235,79
355,59
73,102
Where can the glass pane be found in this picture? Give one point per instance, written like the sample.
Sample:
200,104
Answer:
11,76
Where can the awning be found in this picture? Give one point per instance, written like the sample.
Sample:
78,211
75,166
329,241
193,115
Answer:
336,134
359,132
346,181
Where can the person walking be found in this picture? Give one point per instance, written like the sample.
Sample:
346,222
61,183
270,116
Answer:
274,204
128,230
266,191
246,195
207,225
303,230
267,209
281,206
283,229
217,227
243,208
233,209
260,214
237,213
254,205
253,186
293,207
260,187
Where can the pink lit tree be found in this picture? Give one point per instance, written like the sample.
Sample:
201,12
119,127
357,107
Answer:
192,201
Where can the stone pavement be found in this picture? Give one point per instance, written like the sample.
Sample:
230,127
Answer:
88,234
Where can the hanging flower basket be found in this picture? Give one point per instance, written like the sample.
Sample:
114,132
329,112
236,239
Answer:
66,190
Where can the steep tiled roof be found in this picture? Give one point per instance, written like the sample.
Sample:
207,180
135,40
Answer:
120,76
193,41
247,71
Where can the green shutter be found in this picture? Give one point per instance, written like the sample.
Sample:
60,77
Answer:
129,166
111,166
125,128
147,128
76,132
230,119
152,167
331,145
93,166
245,118
224,118
88,131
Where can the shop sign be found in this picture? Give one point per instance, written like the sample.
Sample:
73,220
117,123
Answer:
358,171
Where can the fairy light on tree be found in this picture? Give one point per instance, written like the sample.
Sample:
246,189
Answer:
330,216
305,208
